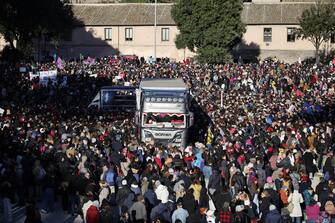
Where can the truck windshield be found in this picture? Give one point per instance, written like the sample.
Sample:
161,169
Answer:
166,120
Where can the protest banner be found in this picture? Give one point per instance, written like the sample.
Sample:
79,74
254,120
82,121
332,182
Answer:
23,69
44,76
33,75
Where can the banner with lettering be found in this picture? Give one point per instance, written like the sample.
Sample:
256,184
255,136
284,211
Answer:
45,76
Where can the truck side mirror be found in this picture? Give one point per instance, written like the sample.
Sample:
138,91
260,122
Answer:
137,117
191,118
138,99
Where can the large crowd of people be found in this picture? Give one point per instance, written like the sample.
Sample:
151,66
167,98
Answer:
263,149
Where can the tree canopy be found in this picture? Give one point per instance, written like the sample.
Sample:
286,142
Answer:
210,28
22,21
317,24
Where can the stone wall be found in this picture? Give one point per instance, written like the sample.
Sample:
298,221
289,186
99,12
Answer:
93,1
298,0
265,1
289,56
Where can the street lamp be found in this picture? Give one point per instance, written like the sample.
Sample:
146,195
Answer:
155,43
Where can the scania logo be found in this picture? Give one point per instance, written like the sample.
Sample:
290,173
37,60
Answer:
163,134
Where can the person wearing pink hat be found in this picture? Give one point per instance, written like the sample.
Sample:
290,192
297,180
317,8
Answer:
269,183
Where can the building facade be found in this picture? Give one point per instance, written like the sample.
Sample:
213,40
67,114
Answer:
127,40
107,29
128,29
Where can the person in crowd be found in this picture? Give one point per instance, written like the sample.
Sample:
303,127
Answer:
312,211
180,213
138,210
32,213
225,214
295,199
273,216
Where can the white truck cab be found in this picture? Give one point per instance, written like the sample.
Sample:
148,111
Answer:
162,111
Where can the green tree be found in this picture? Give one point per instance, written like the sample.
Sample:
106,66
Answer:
317,23
210,28
23,21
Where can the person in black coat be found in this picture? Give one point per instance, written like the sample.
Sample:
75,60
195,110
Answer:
240,215
265,203
187,180
204,199
189,201
32,214
239,181
308,159
273,215
221,196
122,192
214,181
106,213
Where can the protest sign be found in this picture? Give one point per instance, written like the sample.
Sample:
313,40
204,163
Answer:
23,69
33,75
44,76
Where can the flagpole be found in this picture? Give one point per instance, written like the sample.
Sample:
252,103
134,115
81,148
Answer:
155,44
221,98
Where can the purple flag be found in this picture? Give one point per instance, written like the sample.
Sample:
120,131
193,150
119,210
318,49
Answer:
89,61
92,61
59,63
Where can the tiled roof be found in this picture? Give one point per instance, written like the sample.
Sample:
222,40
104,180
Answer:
273,13
122,14
143,14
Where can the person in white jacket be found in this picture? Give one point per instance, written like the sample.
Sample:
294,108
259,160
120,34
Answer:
296,199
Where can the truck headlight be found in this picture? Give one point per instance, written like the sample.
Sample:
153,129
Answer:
177,137
148,136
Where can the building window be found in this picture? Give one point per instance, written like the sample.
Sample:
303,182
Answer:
291,34
129,34
332,38
165,34
267,35
108,34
